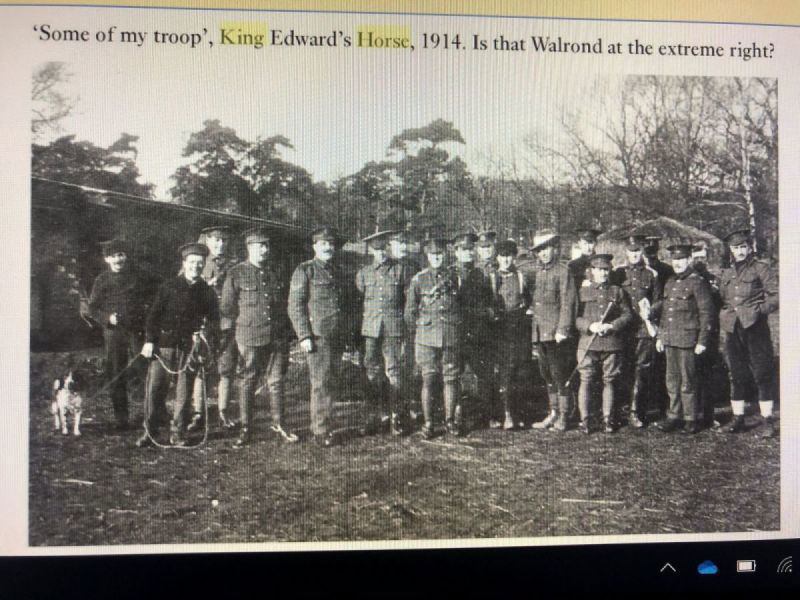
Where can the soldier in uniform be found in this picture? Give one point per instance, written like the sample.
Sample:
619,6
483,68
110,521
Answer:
476,297
318,305
662,269
218,264
181,328
580,267
119,301
685,324
749,291
511,300
603,314
663,272
707,387
487,251
553,310
383,285
643,288
254,298
436,313
398,250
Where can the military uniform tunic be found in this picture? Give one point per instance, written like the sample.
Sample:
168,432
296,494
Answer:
640,282
254,298
553,304
382,324
435,313
603,358
686,319
215,272
318,308
749,292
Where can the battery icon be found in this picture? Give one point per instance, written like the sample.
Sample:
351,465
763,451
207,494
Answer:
745,566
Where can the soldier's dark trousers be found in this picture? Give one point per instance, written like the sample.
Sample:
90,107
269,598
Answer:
227,358
324,364
481,361
707,384
554,365
120,347
681,383
597,366
748,352
389,349
158,381
641,379
271,360
511,354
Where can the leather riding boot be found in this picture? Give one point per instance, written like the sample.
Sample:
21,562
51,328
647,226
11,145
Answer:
426,399
454,416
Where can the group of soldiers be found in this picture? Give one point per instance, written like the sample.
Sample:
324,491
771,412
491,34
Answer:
624,332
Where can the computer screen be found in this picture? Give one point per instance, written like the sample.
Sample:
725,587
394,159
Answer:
399,276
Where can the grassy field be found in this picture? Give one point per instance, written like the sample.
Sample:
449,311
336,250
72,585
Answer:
99,489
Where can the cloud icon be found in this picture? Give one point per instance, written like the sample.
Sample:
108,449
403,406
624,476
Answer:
707,568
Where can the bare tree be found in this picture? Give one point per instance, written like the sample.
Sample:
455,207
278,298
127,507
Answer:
50,105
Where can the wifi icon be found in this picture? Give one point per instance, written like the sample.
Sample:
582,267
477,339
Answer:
785,566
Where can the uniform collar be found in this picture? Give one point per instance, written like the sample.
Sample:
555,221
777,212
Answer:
745,263
685,274
600,286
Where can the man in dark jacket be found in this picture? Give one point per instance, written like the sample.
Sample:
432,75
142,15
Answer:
383,286
218,263
434,310
553,306
180,333
319,301
475,296
512,346
254,299
119,301
603,314
642,286
749,291
685,324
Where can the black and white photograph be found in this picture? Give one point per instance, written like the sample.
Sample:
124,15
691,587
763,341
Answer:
284,301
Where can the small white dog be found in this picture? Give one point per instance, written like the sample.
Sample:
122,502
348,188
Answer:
67,400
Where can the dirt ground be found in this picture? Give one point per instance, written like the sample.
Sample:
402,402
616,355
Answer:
99,489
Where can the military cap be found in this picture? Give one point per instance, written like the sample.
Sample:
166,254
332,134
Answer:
193,248
507,248
486,238
651,245
257,235
635,242
680,250
325,232
378,239
738,237
112,247
465,240
590,235
544,237
601,260
399,235
435,245
216,231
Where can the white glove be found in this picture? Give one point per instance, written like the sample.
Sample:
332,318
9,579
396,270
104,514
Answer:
147,350
307,345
